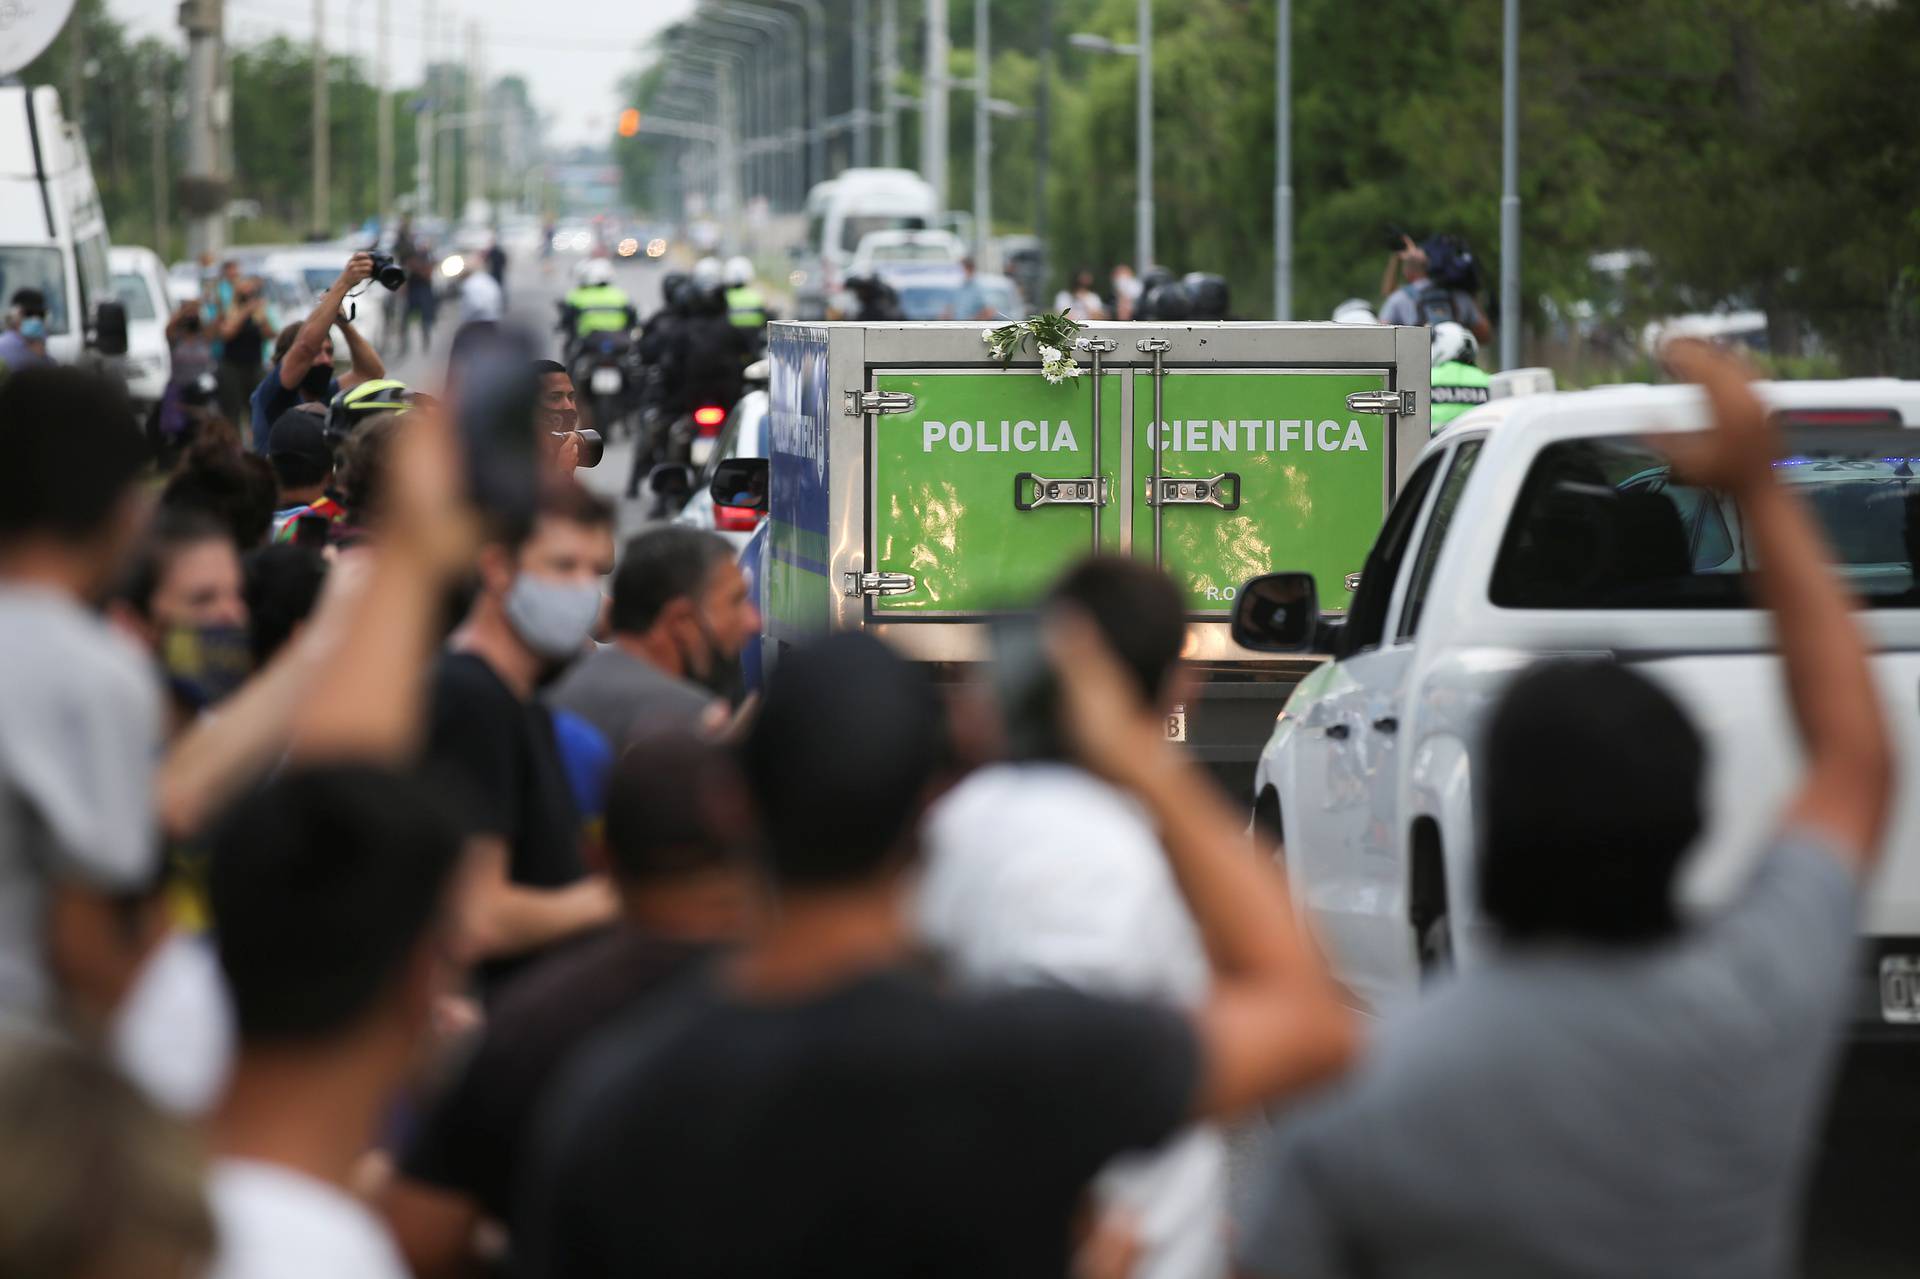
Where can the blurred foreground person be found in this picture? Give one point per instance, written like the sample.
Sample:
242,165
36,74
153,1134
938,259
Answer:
492,738
1618,1092
94,1182
332,894
80,710
816,1106
676,836
681,617
1016,891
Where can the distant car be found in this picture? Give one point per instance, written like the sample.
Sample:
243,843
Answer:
316,267
140,283
881,251
744,435
572,237
926,298
184,283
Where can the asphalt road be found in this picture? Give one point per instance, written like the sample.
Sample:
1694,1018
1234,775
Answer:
1858,1225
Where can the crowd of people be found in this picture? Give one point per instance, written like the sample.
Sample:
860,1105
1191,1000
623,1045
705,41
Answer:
396,880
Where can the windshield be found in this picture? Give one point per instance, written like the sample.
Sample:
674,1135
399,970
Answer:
1601,524
318,279
912,251
928,303
36,268
134,295
856,229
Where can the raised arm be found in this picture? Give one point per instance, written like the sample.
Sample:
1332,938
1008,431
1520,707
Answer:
365,362
312,337
1273,1022
1847,788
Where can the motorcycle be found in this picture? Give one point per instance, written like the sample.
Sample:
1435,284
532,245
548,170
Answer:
605,373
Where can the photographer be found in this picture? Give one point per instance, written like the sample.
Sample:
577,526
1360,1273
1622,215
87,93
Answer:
303,358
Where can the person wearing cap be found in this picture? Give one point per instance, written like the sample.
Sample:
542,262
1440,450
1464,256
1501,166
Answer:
302,463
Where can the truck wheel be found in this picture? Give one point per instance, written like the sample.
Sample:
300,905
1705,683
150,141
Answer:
1427,907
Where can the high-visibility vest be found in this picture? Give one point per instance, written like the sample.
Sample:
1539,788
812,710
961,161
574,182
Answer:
601,308
1457,387
746,308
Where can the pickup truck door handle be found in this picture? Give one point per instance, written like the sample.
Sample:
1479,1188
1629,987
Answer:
1338,732
1387,724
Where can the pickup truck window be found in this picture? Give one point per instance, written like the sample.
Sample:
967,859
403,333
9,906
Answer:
1437,525
1601,525
1367,621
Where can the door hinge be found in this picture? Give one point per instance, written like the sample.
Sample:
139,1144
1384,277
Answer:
1400,402
861,403
859,585
1196,491
1085,491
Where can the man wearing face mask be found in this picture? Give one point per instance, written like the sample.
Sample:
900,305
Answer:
24,344
493,741
681,616
302,371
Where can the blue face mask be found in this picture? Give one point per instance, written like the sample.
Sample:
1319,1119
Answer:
33,329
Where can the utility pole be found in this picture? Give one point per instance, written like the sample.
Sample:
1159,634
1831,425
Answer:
320,218
384,120
162,127
476,130
1283,164
862,87
982,137
890,82
933,104
1042,138
1143,226
204,188
1510,189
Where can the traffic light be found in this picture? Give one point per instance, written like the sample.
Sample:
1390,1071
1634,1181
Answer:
629,122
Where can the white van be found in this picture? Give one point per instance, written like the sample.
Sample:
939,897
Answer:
53,234
841,213
140,282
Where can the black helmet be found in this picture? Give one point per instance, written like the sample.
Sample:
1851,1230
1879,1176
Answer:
1167,301
1208,294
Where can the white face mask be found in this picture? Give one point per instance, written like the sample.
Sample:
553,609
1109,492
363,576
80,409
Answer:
554,619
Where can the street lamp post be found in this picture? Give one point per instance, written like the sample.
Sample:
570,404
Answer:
933,104
889,83
982,136
770,20
1510,189
1283,163
1143,204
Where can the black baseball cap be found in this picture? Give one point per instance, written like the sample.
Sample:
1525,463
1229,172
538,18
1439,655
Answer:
298,449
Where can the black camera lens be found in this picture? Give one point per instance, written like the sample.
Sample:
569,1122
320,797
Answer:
388,272
592,447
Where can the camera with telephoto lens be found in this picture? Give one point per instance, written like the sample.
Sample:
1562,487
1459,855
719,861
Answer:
592,447
387,271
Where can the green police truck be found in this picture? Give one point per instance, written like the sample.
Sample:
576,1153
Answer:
917,487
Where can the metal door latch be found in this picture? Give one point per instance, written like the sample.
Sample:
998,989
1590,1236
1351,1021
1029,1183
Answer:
1196,491
1102,345
858,585
1046,492
1351,581
1400,402
861,403
1147,346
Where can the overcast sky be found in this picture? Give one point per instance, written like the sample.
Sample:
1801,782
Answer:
573,52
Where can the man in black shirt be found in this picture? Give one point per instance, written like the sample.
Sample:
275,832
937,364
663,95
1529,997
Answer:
814,1107
676,832
490,737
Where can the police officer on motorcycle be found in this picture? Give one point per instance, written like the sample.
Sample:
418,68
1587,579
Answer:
597,305
746,306
1459,383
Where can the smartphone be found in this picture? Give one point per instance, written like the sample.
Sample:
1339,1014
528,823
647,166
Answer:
495,395
311,531
1026,688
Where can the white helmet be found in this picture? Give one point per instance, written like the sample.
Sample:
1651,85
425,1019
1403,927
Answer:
707,274
597,272
1454,343
1355,311
739,272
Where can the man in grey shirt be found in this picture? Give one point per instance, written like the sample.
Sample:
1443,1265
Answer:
79,706
681,616
1616,1093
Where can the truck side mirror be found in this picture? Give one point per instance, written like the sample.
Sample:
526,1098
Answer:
1277,613
740,482
110,328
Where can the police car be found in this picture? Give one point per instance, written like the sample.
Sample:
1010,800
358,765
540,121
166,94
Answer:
1548,525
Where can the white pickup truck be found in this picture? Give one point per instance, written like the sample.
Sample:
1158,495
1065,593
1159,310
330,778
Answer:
1546,525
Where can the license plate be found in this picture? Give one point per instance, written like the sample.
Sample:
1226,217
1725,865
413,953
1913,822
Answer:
1900,988
607,381
1177,724
702,452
